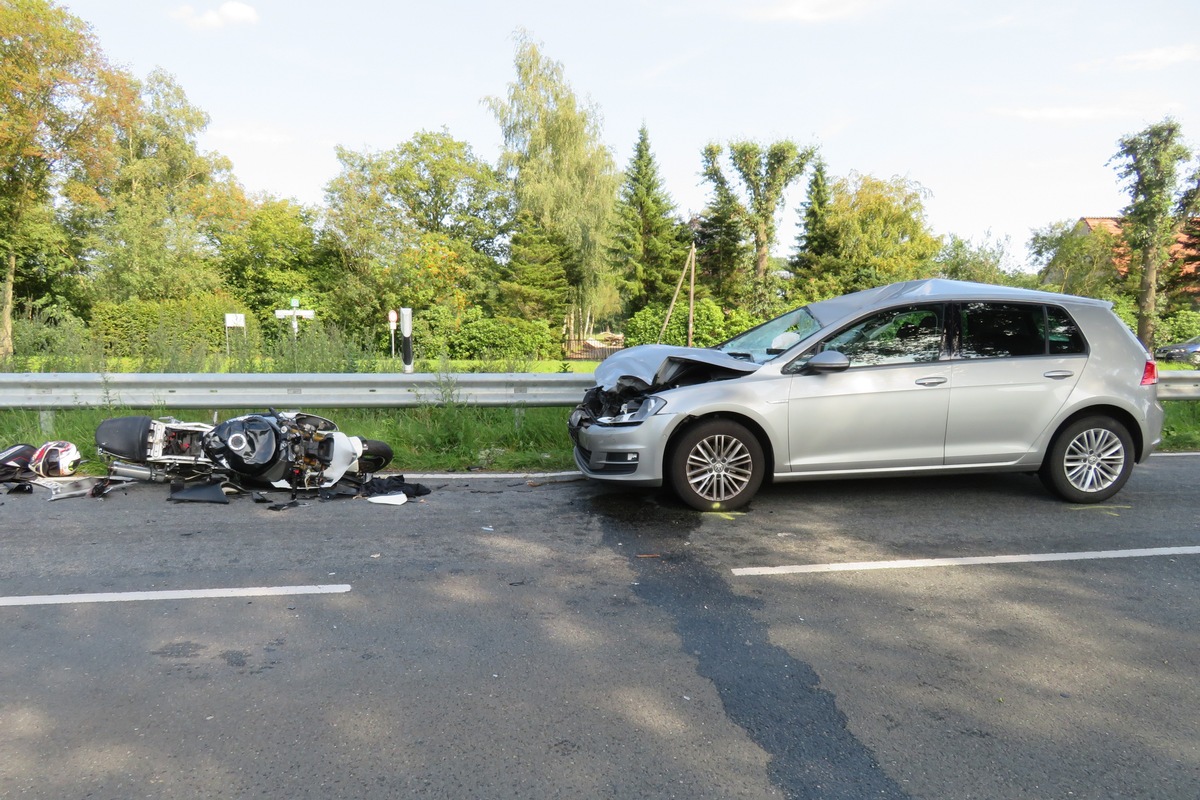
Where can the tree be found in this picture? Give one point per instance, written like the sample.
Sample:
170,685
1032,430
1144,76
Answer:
1150,163
169,207
963,260
815,238
418,225
765,176
533,283
272,258
59,100
878,235
563,175
650,244
1076,260
724,253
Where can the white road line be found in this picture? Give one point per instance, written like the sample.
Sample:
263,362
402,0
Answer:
959,562
177,594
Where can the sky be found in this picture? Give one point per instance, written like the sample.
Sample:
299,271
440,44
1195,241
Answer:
1006,112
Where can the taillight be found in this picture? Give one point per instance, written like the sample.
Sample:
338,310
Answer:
1150,373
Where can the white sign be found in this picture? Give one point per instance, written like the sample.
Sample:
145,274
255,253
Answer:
235,320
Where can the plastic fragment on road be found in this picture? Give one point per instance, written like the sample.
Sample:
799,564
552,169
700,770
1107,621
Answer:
398,499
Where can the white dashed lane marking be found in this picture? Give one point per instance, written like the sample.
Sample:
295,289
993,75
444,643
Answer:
921,563
177,594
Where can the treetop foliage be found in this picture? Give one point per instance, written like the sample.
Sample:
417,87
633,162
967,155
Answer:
107,202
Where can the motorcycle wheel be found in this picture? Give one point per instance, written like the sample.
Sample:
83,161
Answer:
375,456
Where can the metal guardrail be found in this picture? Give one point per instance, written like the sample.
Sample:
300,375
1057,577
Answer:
63,390
49,391
1178,385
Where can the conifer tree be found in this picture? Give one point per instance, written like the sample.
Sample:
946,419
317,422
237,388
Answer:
650,244
534,282
816,237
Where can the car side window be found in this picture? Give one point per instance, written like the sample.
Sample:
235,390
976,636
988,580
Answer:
1065,338
905,335
1001,330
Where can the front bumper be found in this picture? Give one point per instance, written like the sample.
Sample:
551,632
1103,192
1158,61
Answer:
628,454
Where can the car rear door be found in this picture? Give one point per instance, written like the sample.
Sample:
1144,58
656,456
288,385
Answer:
1014,366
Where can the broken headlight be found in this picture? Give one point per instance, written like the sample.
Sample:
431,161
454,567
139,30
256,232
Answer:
635,411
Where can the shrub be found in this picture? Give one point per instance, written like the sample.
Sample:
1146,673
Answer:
709,325
503,338
167,335
1178,327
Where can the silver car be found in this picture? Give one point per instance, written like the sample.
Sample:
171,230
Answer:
923,377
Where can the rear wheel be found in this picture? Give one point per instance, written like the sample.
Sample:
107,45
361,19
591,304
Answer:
1090,460
717,465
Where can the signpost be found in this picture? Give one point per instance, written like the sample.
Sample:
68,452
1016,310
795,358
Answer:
233,321
296,313
406,332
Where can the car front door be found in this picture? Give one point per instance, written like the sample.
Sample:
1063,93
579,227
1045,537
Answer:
887,409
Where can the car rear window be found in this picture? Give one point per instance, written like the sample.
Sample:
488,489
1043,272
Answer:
1012,330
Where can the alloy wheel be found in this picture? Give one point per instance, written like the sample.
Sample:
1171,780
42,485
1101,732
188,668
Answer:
1094,460
719,467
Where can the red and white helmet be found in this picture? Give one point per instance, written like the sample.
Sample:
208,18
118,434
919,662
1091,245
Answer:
56,459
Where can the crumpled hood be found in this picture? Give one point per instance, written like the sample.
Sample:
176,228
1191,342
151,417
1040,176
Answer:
658,365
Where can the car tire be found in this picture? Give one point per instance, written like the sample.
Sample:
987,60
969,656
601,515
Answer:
716,465
1089,461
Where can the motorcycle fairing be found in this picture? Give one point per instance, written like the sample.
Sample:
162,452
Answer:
248,445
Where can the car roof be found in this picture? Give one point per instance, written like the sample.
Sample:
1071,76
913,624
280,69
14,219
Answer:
935,289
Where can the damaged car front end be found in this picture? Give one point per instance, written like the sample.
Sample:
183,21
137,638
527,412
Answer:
623,423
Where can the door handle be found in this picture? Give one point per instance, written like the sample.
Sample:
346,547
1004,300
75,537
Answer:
1058,374
934,381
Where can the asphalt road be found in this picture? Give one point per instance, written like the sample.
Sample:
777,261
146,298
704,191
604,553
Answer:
507,640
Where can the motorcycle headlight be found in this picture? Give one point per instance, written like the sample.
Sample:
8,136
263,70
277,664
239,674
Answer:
635,411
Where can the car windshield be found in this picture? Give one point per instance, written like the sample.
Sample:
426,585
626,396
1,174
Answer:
765,342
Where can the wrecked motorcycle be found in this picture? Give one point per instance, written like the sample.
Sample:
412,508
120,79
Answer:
270,450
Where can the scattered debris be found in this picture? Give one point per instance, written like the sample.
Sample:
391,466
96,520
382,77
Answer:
207,492
398,499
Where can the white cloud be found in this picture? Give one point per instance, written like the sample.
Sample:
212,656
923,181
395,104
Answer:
227,14
805,10
1159,57
1062,113
1147,60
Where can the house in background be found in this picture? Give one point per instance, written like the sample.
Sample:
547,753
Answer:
1185,253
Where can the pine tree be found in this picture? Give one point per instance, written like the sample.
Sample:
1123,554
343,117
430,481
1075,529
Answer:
816,237
534,283
650,244
724,254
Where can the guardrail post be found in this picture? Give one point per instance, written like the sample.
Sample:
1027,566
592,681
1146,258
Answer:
46,422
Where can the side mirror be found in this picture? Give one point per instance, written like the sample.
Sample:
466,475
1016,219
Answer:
827,361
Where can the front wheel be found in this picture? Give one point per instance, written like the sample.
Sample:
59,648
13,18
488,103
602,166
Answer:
375,456
1090,460
717,465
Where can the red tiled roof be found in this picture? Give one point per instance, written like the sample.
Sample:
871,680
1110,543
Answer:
1185,245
